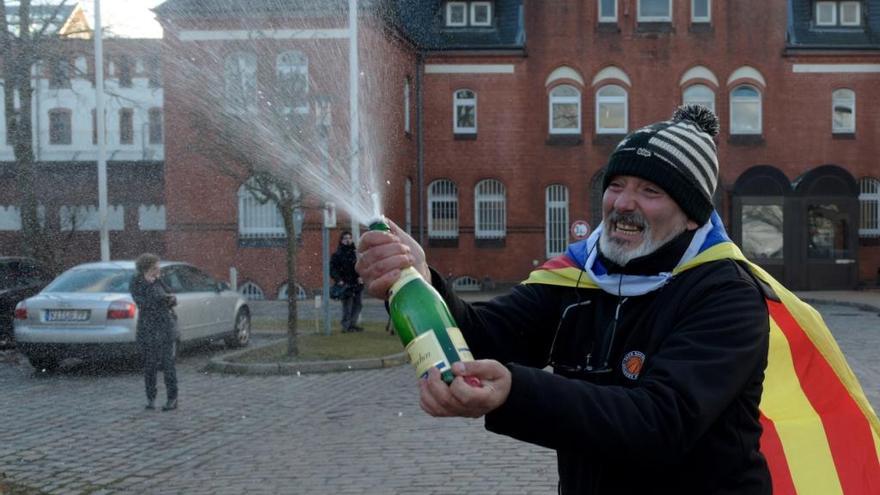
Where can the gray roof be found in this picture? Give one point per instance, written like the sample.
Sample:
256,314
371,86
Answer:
423,22
803,33
56,16
208,9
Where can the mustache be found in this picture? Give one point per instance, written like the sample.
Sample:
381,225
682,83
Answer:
633,218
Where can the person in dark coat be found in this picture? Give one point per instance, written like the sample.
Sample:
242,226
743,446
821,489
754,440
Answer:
346,277
156,328
657,344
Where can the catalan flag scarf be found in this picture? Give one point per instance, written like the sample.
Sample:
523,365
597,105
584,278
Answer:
821,435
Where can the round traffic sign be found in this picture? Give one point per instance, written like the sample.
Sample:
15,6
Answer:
580,229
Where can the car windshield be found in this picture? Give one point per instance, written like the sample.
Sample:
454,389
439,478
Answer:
92,280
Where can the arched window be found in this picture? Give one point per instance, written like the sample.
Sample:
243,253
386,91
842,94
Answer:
300,292
611,110
745,110
565,110
292,71
240,82
60,131
869,202
442,209
843,111
257,216
490,210
556,219
464,112
699,94
251,291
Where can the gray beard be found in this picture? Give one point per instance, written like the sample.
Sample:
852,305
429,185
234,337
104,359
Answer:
616,251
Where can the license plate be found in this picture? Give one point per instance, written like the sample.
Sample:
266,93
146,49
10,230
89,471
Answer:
67,315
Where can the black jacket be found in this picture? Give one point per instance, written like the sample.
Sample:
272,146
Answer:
155,319
342,265
685,422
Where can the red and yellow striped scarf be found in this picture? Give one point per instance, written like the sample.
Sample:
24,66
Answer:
821,435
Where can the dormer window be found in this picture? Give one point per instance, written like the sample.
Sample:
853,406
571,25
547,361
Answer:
847,14
464,14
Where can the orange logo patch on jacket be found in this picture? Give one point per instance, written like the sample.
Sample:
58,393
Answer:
632,364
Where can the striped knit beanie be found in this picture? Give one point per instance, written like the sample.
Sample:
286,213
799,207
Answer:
678,155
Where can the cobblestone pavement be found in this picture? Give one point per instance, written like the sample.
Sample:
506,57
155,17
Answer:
84,430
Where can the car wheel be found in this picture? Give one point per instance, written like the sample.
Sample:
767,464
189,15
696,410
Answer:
44,363
241,334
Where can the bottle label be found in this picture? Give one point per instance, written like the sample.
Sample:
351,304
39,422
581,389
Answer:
425,353
464,352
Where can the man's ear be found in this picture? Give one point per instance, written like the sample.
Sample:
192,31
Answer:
692,225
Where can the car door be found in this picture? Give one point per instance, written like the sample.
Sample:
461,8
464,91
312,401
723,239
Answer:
189,310
221,315
201,296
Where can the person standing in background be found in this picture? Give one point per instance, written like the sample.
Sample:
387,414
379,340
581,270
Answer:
344,275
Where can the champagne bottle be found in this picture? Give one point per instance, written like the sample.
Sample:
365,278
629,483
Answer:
424,324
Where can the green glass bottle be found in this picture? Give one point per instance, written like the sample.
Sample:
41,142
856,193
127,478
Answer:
424,324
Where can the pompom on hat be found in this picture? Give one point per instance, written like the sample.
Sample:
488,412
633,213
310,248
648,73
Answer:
678,155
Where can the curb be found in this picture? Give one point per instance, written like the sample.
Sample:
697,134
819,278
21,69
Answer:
863,306
224,364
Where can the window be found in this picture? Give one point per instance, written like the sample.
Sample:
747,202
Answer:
607,10
300,293
565,110
59,126
655,11
60,75
124,71
843,111
611,110
126,126
442,209
251,291
745,110
828,232
240,83
762,231
456,14
481,14
154,72
869,202
258,217
156,126
838,14
699,94
465,112
406,106
489,210
556,221
701,11
293,81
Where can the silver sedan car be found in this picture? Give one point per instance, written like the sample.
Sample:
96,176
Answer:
88,312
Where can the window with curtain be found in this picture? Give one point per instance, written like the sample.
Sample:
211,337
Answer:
490,210
465,112
240,83
442,209
565,110
843,111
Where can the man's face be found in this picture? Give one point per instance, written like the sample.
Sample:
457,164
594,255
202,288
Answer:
346,239
639,218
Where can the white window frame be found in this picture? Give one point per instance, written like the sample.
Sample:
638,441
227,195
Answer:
256,219
738,130
406,104
698,100
612,100
646,18
239,97
555,220
449,7
605,16
830,8
293,62
442,193
858,16
473,13
459,101
565,100
869,204
251,291
701,19
490,197
843,97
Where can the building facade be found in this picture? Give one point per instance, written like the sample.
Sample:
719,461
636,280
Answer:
483,127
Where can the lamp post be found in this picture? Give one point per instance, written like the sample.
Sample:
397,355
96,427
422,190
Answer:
322,123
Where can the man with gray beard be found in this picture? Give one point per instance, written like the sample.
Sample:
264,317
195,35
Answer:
657,344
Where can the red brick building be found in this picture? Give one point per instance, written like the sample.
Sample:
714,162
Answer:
501,114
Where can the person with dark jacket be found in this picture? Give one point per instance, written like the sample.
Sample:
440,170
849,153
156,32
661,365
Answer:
348,281
657,345
155,328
